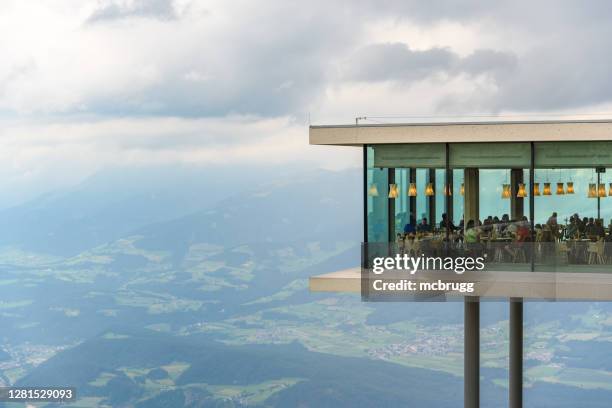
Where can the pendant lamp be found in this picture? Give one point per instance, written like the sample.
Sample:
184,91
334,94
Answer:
560,189
373,190
506,191
393,191
601,191
429,190
412,190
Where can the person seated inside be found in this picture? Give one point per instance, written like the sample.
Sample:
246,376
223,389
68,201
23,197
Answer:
573,229
538,232
424,226
553,225
599,231
410,228
547,234
583,226
487,226
472,234
608,237
472,239
521,234
447,223
497,227
589,230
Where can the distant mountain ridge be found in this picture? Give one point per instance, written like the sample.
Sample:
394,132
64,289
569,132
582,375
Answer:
112,203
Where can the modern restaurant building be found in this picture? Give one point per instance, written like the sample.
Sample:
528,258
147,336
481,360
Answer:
478,181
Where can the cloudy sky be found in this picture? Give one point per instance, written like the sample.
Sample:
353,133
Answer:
86,84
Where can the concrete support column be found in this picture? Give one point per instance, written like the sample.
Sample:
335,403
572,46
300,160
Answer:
515,390
471,198
517,204
471,353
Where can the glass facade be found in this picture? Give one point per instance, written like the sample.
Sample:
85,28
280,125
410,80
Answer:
439,189
377,201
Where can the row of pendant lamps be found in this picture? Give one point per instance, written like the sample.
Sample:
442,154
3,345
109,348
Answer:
594,190
412,190
547,190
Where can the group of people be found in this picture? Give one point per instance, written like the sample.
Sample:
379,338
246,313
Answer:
589,228
491,227
519,229
504,238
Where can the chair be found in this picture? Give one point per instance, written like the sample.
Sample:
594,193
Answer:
601,251
596,253
563,252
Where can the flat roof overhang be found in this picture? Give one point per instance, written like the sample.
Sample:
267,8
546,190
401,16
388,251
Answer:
462,132
494,284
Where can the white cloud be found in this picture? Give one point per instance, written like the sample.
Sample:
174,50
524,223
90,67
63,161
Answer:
55,154
88,83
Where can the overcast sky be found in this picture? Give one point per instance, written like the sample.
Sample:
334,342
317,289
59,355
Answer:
86,84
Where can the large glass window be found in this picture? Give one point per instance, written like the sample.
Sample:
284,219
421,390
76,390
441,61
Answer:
491,188
440,195
378,201
422,179
407,183
402,201
457,197
554,197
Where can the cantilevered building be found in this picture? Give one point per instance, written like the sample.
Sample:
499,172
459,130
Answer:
535,197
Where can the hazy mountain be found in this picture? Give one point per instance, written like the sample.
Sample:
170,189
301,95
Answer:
318,205
110,204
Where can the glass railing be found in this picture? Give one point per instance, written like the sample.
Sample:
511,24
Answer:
497,268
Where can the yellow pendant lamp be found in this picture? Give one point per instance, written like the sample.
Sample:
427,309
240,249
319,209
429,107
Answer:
462,189
522,192
610,190
592,190
448,191
373,190
601,191
393,191
506,188
506,191
429,190
560,189
412,190
547,190
536,189
570,188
